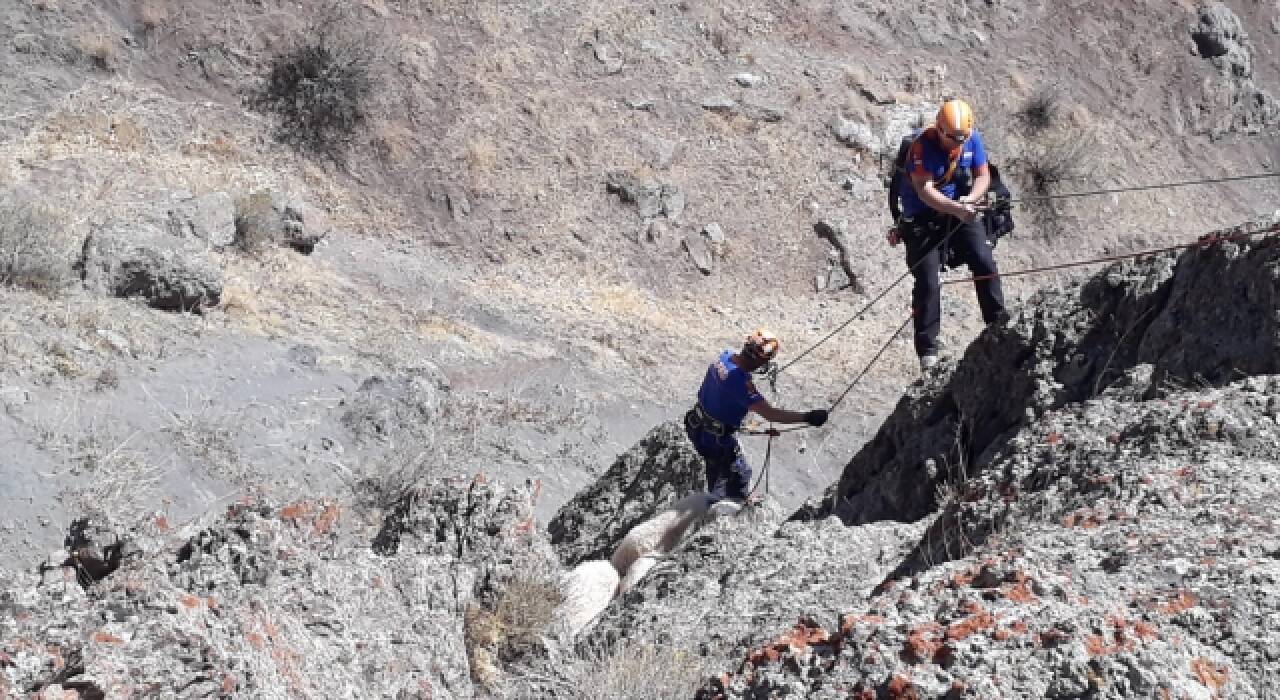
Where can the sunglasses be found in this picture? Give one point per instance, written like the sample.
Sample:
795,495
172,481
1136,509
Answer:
956,137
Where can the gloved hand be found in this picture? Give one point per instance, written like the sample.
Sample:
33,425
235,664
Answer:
816,417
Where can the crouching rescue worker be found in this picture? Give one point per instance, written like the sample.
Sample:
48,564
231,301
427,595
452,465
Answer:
726,396
948,176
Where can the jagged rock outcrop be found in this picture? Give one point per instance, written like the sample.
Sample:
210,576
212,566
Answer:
1202,316
1118,548
1112,531
660,469
741,577
270,599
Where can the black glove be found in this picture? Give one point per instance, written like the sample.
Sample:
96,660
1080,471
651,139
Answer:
816,417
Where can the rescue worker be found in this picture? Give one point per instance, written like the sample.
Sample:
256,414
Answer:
724,399
947,169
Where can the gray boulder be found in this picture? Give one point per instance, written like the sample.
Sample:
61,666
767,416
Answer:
651,198
1219,35
660,469
720,104
137,259
262,596
210,218
855,134
1071,347
700,252
267,218
395,411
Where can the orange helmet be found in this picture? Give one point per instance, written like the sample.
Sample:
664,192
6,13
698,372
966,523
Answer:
955,120
761,344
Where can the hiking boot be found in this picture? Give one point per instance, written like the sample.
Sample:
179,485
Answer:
928,362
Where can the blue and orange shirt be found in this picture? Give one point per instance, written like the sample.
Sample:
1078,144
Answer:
727,392
927,157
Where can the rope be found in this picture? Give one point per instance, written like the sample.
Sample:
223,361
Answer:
1145,188
1202,242
872,363
764,472
878,297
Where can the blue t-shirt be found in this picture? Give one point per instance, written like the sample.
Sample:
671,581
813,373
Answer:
927,157
727,391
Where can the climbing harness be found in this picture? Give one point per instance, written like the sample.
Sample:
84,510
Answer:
698,418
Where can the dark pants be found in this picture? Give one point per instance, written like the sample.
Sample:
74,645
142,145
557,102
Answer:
728,474
925,257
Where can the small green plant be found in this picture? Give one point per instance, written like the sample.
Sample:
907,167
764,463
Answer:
321,88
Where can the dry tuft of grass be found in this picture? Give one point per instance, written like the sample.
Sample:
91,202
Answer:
101,50
1041,111
36,246
627,670
510,627
152,14
482,155
219,146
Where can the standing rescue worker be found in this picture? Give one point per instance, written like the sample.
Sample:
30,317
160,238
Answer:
724,399
947,169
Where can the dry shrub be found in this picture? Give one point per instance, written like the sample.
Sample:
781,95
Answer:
220,146
1039,113
321,89
101,50
36,247
152,14
855,76
627,670
482,155
394,478
1060,156
509,627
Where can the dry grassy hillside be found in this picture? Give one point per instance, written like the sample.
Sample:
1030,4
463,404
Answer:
471,226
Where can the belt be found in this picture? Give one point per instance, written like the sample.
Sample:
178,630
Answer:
699,418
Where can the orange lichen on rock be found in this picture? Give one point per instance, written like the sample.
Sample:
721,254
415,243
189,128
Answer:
1184,601
974,623
901,688
922,642
1211,675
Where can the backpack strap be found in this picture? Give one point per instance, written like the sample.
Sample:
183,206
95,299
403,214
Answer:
932,133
